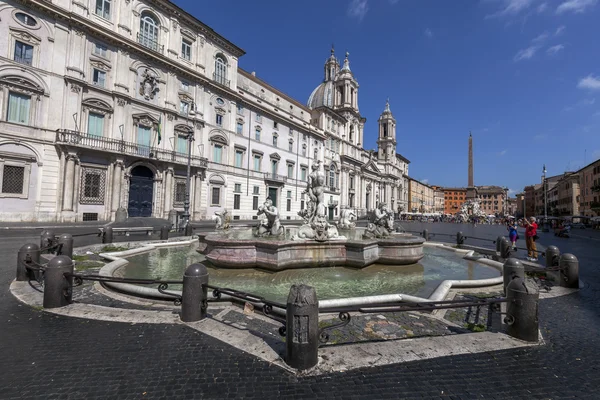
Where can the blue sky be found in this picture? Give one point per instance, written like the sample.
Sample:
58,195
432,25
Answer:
522,75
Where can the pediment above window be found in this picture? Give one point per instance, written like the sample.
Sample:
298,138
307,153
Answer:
187,34
220,111
184,128
185,96
144,119
100,63
25,35
97,105
219,138
21,84
275,156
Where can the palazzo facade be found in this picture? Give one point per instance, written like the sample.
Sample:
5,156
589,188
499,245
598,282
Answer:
103,102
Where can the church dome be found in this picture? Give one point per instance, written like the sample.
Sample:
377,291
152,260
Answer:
321,96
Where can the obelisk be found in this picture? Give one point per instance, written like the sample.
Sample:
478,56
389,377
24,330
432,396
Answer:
471,190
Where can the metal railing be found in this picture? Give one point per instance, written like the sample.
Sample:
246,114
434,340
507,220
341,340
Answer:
150,43
275,177
221,80
79,139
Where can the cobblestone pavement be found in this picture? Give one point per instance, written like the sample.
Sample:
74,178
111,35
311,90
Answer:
51,357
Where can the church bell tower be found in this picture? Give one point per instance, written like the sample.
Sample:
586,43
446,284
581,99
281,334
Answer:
386,141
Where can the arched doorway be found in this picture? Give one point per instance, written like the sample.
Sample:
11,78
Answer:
141,187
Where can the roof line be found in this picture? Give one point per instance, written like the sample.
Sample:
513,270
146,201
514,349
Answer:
279,92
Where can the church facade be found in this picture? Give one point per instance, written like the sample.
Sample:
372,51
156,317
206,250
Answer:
105,102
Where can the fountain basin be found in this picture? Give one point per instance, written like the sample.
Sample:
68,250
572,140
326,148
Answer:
234,250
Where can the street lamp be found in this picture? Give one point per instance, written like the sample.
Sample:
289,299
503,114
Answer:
546,229
190,139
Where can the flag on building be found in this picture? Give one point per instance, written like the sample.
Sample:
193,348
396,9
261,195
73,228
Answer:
159,128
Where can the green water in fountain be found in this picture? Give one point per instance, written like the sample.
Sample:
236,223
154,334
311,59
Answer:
335,282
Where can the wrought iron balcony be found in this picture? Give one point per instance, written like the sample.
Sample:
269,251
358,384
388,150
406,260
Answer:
150,43
220,79
269,176
332,203
100,143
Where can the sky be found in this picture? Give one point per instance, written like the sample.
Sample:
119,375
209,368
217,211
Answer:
522,75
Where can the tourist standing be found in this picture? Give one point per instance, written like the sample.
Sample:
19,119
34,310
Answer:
530,238
513,235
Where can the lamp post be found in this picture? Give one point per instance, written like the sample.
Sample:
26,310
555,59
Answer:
545,185
190,139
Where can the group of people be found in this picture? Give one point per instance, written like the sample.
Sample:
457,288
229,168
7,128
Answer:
531,236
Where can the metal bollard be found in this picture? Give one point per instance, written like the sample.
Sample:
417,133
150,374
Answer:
552,256
164,232
302,327
27,251
189,230
66,240
47,239
569,273
193,302
460,239
426,234
505,248
107,235
512,269
58,289
499,244
522,310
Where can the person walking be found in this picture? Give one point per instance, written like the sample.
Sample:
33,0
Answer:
513,235
530,238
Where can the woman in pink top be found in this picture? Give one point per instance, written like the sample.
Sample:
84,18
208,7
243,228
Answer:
530,236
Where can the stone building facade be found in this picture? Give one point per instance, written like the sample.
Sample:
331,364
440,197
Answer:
589,188
493,199
421,197
454,198
103,103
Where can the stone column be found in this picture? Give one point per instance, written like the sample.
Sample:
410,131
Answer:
69,184
197,196
116,185
168,192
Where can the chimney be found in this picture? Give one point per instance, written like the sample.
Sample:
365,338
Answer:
253,73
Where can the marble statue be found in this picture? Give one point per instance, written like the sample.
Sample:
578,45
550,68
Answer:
346,219
270,225
222,219
382,223
469,210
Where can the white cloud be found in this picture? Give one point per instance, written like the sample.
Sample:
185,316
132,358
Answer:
511,7
503,152
358,9
542,7
425,181
511,192
590,82
576,6
582,103
526,54
555,49
428,33
559,30
540,38
588,102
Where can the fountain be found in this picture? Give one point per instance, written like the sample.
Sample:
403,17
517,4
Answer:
316,243
470,209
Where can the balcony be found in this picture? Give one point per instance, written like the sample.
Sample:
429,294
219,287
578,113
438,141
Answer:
275,178
332,203
220,79
23,60
100,143
332,189
150,43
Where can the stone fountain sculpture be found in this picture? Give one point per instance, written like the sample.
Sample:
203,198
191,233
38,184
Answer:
382,223
469,210
346,219
222,219
315,224
270,225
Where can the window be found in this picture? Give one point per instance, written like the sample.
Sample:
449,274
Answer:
302,204
290,170
275,125
221,71
257,134
103,8
100,49
216,196
275,140
219,120
182,144
184,107
291,146
185,86
303,173
25,19
217,153
255,202
288,206
256,190
236,201
258,118
237,188
274,165
95,124
13,179
18,108
186,50
239,156
257,160
149,28
220,101
99,77
240,109
351,182
23,53
289,194
239,128
179,192
143,140
331,177
93,183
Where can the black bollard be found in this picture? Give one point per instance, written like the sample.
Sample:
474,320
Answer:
302,327
522,310
505,248
499,244
47,240
164,232
58,289
65,242
193,302
189,230
29,251
569,266
426,234
552,256
107,235
512,269
460,239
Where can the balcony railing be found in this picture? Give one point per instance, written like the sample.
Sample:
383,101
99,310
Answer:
332,203
23,60
100,143
150,43
220,79
269,176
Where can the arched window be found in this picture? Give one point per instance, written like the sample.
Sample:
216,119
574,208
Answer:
221,70
351,133
149,28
